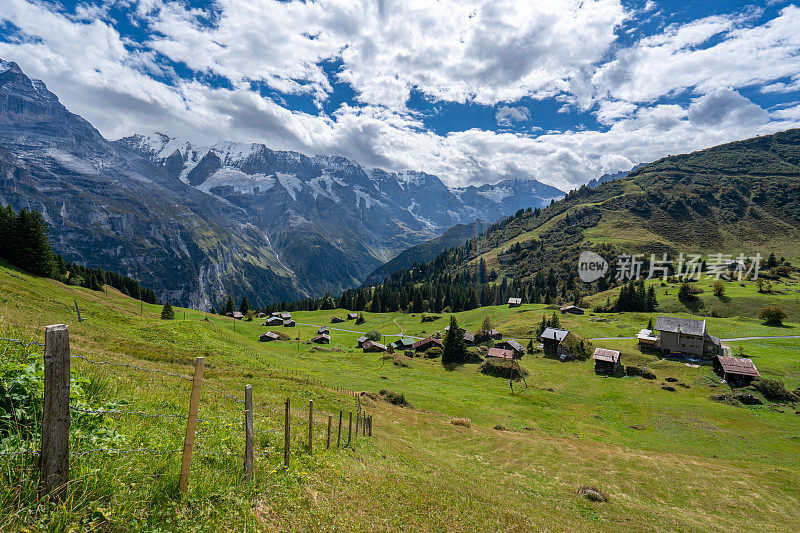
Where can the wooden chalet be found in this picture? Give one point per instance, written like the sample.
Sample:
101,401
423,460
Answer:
686,336
606,361
736,371
514,302
322,339
571,309
289,323
286,316
323,329
237,315
551,341
647,339
469,338
273,321
352,316
268,336
500,353
426,344
402,344
373,347
360,341
336,319
513,346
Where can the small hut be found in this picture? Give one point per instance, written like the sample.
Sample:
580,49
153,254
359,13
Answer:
352,316
606,361
425,344
323,329
360,341
736,371
373,347
571,309
514,302
500,353
289,323
336,320
273,321
512,345
268,336
552,339
402,344
322,339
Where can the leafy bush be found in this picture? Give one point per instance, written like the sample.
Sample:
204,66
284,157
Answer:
374,335
433,353
641,371
772,315
394,398
775,390
463,422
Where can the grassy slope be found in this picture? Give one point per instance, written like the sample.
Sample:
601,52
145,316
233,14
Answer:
696,465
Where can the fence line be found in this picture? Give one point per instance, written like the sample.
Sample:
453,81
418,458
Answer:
54,452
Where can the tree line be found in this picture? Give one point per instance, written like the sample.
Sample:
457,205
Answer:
25,244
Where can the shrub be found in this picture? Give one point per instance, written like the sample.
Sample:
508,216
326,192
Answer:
433,353
360,319
719,289
401,360
775,390
592,493
394,398
374,335
473,356
502,368
772,315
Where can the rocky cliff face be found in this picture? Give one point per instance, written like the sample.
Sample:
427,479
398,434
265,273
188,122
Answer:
199,222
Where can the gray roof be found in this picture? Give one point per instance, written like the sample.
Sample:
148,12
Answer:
688,326
555,334
513,344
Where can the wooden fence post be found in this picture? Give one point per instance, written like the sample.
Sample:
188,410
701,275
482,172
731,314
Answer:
311,427
54,455
370,425
364,425
358,417
248,432
286,435
350,429
339,435
191,424
328,441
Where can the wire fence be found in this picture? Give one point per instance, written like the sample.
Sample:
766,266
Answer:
217,422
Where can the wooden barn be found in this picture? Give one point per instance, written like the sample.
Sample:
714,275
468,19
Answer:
273,321
373,347
514,302
571,309
469,338
322,339
551,341
426,344
513,346
323,329
268,336
352,316
736,371
402,344
289,323
500,353
360,341
606,361
336,319
286,316
237,315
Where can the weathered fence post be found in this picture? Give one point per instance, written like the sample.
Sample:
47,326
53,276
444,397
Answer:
358,417
328,441
191,424
339,435
248,432
350,429
370,425
311,427
286,435
54,458
364,425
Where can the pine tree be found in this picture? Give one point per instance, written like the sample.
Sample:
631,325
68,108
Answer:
167,312
455,350
529,348
772,262
229,307
245,306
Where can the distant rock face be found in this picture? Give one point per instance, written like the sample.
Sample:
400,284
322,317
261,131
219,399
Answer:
197,223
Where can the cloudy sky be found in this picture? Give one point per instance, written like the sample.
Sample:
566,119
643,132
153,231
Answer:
557,90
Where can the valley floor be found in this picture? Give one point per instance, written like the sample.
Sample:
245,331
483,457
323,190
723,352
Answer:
666,460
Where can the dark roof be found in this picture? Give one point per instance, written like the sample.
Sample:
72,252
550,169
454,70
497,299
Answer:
427,340
738,365
273,321
270,335
512,344
372,344
500,353
403,342
321,337
603,354
688,326
555,334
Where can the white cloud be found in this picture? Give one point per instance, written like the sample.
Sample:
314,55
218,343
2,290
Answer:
508,115
725,105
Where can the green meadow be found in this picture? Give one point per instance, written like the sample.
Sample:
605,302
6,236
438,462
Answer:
666,460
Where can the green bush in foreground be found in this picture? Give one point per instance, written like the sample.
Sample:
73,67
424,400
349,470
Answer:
167,313
772,315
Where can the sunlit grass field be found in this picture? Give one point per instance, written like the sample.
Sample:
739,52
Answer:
667,460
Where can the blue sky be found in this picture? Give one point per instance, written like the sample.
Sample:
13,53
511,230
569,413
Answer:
556,90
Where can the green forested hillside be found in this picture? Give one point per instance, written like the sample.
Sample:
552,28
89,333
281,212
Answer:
741,197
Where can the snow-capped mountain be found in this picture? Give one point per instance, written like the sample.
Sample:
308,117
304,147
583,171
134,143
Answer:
199,222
